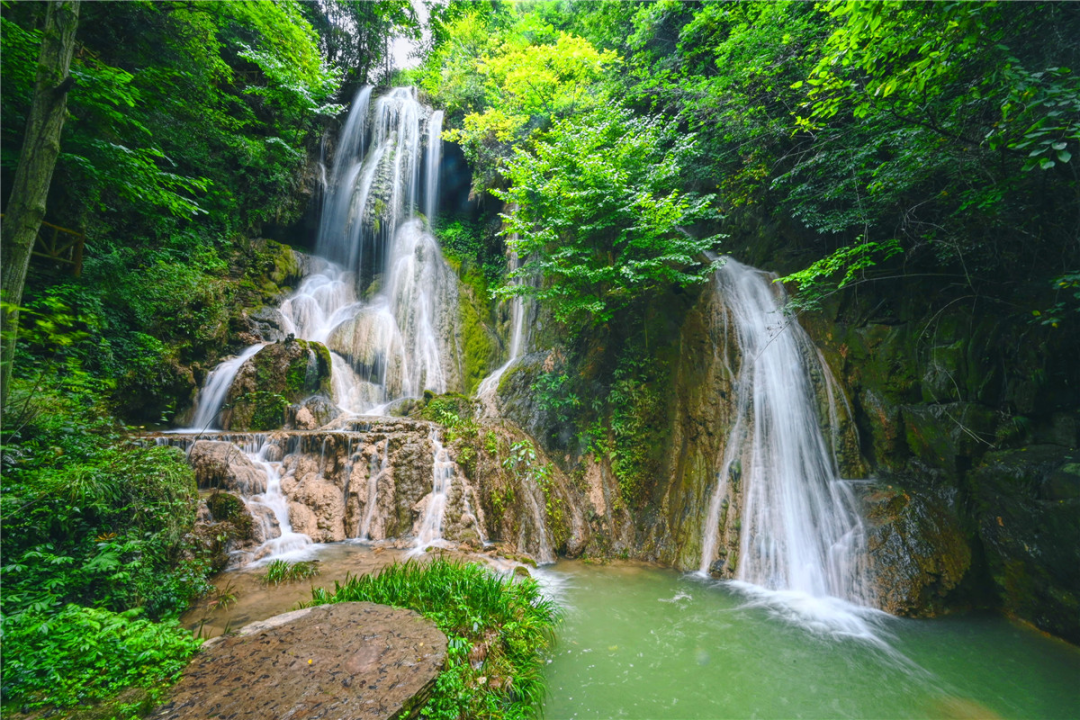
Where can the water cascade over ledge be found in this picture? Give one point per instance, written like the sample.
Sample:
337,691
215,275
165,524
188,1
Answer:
799,533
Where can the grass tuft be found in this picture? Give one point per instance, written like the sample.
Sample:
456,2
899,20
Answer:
279,572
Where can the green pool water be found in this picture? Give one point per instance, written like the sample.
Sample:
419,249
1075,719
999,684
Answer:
641,642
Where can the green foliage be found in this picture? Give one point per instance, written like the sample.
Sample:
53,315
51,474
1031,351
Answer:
595,208
189,123
849,262
89,519
455,413
867,122
466,243
281,571
497,629
638,415
353,34
83,655
554,393
1067,291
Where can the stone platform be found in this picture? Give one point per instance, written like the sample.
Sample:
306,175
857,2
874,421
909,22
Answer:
346,660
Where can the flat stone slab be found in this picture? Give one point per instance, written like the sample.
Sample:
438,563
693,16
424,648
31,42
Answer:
345,660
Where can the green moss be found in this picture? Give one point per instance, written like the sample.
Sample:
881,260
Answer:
226,507
258,411
479,347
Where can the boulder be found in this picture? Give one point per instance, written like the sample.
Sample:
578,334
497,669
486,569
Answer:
345,660
277,376
920,549
222,466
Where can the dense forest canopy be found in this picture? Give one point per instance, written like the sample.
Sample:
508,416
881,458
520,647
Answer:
615,148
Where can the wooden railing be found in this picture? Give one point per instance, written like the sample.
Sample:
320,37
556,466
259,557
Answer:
60,245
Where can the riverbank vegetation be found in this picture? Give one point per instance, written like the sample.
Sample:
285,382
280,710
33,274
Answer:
498,629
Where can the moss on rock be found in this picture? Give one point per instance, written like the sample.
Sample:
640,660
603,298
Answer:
276,377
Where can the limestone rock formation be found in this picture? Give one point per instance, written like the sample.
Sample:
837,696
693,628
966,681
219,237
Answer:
222,465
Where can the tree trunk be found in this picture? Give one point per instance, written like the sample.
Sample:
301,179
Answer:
30,189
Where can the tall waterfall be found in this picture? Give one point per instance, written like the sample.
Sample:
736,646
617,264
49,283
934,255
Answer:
384,303
800,529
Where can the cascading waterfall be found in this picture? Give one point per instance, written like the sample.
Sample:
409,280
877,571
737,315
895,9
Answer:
431,171
800,529
518,338
287,541
430,530
379,295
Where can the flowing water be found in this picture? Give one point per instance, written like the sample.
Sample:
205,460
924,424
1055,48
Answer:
211,397
801,536
519,339
641,642
379,295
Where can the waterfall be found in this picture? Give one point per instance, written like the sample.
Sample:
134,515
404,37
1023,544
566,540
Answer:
800,527
434,157
211,397
442,475
518,337
273,498
379,296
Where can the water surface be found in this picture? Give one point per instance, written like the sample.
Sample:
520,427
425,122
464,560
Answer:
642,642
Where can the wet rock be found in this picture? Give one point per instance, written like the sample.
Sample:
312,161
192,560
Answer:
264,523
311,414
1028,505
949,436
920,549
346,660
221,465
278,375
269,324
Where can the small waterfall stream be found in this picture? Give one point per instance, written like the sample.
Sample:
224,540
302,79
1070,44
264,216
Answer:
800,529
211,397
519,339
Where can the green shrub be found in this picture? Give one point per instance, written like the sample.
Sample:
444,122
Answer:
499,624
83,655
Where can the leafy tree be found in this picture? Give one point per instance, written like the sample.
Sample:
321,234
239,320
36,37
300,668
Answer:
596,211
41,144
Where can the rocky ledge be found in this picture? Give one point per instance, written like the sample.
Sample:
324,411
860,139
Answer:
346,660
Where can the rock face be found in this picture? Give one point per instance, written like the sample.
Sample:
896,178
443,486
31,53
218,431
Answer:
222,465
351,479
920,548
279,375
344,660
1028,505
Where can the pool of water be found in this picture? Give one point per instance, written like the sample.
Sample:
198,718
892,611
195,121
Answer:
643,642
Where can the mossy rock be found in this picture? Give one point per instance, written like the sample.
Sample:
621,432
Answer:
480,347
227,508
949,436
1028,509
279,375
920,550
